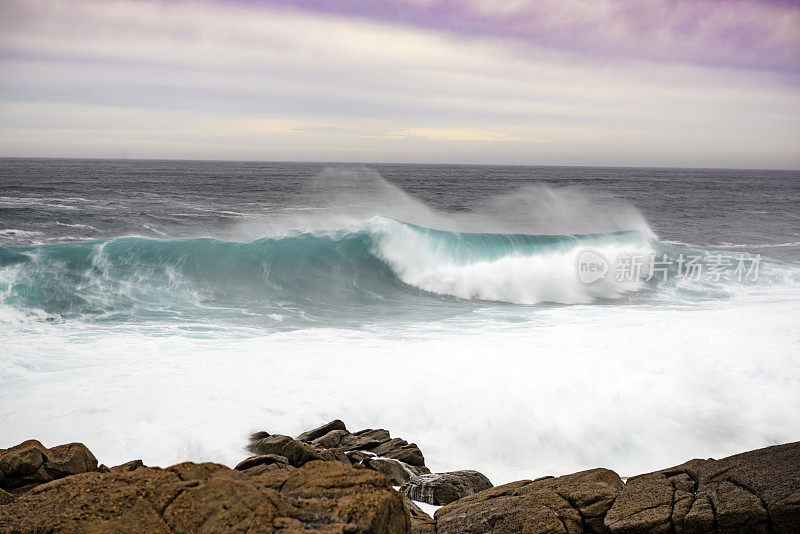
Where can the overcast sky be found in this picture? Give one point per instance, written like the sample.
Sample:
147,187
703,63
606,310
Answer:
691,83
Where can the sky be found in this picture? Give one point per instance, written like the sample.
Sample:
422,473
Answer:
679,83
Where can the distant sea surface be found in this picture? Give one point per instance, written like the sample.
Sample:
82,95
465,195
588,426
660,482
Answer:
521,321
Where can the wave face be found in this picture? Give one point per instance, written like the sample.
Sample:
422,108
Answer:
393,266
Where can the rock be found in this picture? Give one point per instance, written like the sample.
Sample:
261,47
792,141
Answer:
323,497
443,488
330,440
757,491
574,504
258,436
358,456
332,490
69,459
388,445
334,454
5,497
379,434
421,523
396,470
128,466
365,442
30,463
320,431
409,454
296,452
264,459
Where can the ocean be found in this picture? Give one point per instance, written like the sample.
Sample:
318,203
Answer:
521,321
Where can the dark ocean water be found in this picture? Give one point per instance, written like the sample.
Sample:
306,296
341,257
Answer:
43,201
164,309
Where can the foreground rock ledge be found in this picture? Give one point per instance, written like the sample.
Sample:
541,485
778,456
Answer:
332,481
753,492
324,497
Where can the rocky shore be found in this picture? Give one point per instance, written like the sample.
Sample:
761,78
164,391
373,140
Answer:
331,480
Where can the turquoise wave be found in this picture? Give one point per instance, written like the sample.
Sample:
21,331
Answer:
381,268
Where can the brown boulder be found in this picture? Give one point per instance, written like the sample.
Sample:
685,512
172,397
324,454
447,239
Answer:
396,470
30,463
421,523
325,491
409,454
331,439
363,442
443,488
573,504
320,431
264,459
319,497
297,452
756,491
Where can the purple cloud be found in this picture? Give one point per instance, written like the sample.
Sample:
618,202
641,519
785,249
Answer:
761,34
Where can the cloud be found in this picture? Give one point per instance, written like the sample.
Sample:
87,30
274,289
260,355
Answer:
762,34
211,80
457,134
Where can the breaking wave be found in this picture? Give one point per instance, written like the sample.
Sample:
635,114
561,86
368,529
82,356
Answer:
311,275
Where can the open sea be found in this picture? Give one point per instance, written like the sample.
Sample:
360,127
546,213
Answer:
521,321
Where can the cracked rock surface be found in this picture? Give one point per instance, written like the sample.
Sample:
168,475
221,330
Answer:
323,497
571,504
756,491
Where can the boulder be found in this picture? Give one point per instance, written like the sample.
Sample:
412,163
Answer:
128,466
334,454
330,440
396,470
421,523
263,459
30,463
388,445
296,452
320,431
364,442
409,454
443,488
574,504
322,497
5,497
757,491
358,456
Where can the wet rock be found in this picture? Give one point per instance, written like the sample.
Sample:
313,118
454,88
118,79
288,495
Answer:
330,440
396,470
574,504
364,442
386,446
297,452
444,488
257,436
379,434
320,496
334,454
263,459
30,463
358,456
320,431
409,454
421,523
757,491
